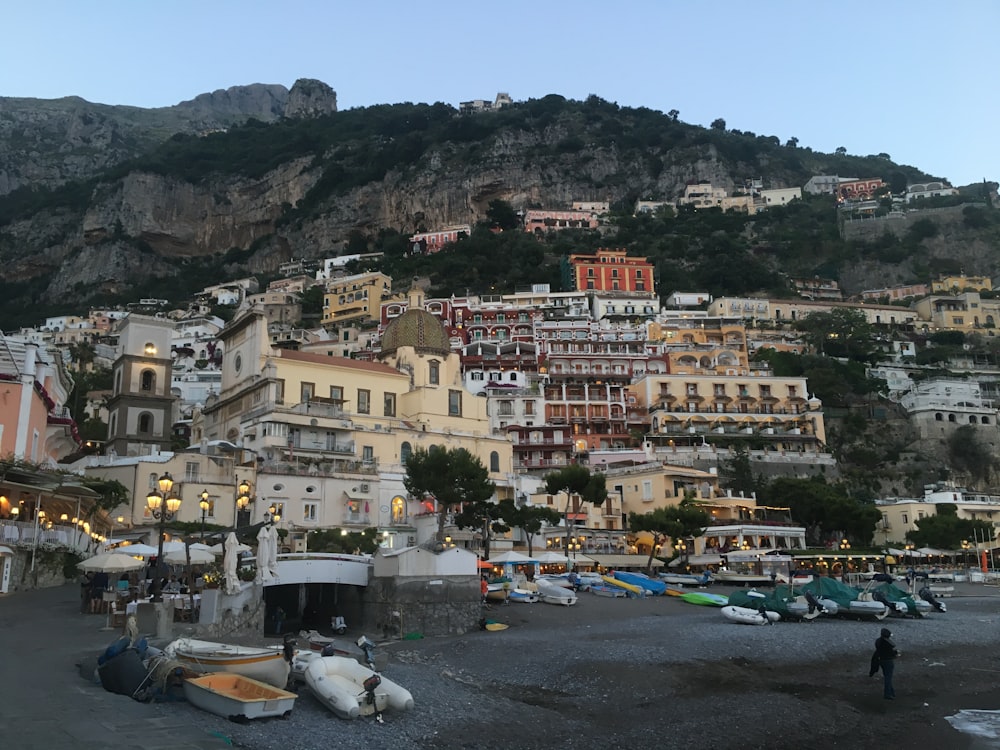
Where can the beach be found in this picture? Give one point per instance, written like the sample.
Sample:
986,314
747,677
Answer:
607,673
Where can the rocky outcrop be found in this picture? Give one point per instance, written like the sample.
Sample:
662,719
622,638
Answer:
310,98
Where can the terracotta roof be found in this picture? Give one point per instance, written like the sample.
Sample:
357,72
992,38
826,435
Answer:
419,329
353,364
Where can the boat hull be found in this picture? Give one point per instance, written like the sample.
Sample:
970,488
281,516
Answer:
552,593
747,616
236,697
523,596
337,682
263,664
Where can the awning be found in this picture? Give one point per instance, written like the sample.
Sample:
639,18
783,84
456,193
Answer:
8,551
623,561
697,560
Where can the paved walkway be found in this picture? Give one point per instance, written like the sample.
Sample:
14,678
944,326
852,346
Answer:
47,705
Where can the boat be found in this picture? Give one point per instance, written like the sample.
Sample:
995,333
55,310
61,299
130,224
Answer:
686,579
340,647
351,690
748,616
236,697
647,584
705,599
562,579
605,590
742,579
553,593
499,591
588,579
629,588
264,664
781,599
850,602
523,595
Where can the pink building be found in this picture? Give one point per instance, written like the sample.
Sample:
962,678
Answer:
34,423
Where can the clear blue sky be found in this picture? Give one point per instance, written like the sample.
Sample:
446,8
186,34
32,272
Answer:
914,79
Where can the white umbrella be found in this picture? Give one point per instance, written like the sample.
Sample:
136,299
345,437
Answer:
510,557
220,549
172,547
201,545
136,550
231,584
110,563
552,558
198,557
267,560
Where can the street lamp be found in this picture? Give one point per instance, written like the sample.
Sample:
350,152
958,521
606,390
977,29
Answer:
204,505
845,545
243,499
272,515
574,547
966,546
163,505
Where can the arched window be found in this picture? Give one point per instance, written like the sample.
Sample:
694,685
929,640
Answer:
398,509
938,417
433,372
145,423
986,420
405,451
147,380
512,376
972,419
951,418
494,461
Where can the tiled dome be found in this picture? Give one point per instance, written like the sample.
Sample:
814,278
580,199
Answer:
419,329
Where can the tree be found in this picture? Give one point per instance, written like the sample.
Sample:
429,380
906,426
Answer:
718,124
841,332
824,509
529,518
675,521
502,215
840,151
792,142
738,473
487,516
576,480
673,115
452,477
945,530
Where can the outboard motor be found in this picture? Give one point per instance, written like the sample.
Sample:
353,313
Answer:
927,596
897,607
814,603
368,646
370,685
288,647
338,624
328,650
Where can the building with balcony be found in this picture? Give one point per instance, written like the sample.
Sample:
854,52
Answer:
939,406
702,344
609,271
702,195
965,311
758,310
540,221
925,190
961,283
900,515
432,242
709,409
357,298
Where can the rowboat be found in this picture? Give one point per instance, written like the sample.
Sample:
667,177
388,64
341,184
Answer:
647,584
523,595
351,690
236,697
264,664
747,616
606,590
707,600
553,593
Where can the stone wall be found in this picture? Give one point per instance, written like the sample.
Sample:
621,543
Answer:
48,570
395,607
868,230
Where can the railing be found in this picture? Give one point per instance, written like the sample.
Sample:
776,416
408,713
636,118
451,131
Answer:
22,534
326,467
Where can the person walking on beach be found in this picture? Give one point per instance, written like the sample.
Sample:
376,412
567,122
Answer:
886,653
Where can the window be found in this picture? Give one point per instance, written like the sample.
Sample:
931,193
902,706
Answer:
309,511
192,470
494,461
306,392
336,394
405,451
368,454
614,273
389,404
506,409
647,490
145,423
148,380
433,372
279,392
364,401
529,407
454,403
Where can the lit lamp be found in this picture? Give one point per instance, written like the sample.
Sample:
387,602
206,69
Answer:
845,545
204,505
163,505
574,546
273,516
243,499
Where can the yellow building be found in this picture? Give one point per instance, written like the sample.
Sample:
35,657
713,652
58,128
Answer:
332,435
955,284
703,345
966,311
698,408
355,298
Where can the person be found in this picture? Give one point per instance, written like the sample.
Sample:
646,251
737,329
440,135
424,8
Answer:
98,585
886,653
86,584
484,587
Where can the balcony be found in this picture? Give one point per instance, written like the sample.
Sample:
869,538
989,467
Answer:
326,467
540,463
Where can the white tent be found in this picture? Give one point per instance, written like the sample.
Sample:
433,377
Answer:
135,550
198,557
552,558
511,558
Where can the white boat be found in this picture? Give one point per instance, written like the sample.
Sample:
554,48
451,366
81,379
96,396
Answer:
553,593
686,579
523,595
562,580
339,684
741,579
236,697
264,664
747,616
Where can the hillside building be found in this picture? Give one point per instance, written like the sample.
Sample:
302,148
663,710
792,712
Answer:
609,271
355,299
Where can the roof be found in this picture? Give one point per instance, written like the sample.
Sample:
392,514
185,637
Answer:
419,329
353,364
624,561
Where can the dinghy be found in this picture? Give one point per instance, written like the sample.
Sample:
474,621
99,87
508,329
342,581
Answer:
351,690
264,664
553,593
747,616
236,697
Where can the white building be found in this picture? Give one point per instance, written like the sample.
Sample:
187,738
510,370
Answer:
688,299
928,190
939,406
780,196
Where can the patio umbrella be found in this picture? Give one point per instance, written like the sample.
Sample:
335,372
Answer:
231,584
198,557
264,553
110,563
221,549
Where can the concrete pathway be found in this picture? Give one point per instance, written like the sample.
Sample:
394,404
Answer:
47,705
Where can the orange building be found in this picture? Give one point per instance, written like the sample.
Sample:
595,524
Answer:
609,271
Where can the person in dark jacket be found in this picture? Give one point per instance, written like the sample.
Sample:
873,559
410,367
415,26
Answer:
886,652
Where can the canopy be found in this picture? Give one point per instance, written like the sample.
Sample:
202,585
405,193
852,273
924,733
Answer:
483,565
932,551
198,557
619,561
110,563
552,558
135,550
509,558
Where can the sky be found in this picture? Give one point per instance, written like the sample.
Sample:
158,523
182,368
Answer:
915,79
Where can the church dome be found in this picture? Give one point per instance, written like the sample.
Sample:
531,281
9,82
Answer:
419,329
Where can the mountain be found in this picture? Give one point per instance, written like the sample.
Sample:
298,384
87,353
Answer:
160,202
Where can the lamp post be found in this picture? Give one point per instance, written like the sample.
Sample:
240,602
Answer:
163,505
844,545
243,499
204,505
272,515
965,552
574,547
